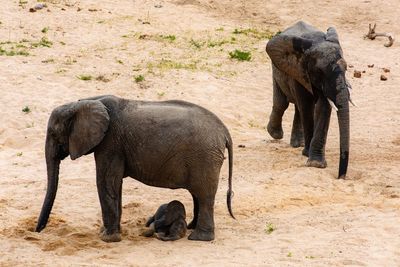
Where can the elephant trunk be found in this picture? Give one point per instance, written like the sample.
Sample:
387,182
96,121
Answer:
342,99
53,166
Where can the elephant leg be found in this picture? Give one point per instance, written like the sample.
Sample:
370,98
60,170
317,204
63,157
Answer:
280,104
322,117
193,223
204,230
109,174
297,136
305,105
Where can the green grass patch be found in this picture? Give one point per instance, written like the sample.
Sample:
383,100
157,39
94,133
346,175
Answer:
255,33
170,38
13,52
139,78
196,44
269,228
49,60
217,43
44,42
166,64
84,77
26,109
240,55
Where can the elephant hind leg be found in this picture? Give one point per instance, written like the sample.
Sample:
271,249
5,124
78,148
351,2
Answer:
280,104
204,230
297,136
193,223
204,187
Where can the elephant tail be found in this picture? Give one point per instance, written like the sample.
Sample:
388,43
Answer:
230,193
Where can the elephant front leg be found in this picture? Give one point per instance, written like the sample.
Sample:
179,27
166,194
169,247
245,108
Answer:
305,105
280,104
297,136
109,186
204,230
322,116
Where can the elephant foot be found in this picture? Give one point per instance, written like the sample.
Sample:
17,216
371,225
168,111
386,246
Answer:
317,164
305,152
276,133
191,225
296,141
148,233
200,235
116,237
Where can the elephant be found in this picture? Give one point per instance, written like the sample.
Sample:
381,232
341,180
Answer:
168,223
169,144
308,69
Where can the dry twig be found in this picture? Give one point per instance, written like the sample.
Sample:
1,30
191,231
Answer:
372,35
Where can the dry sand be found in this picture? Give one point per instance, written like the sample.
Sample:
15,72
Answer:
317,219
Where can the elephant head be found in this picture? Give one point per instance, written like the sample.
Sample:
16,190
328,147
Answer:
73,129
315,60
175,211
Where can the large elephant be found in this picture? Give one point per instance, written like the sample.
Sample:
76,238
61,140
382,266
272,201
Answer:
171,144
308,69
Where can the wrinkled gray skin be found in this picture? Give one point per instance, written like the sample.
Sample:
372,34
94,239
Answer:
171,144
307,69
168,223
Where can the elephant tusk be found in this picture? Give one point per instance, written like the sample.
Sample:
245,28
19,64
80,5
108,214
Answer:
332,104
351,101
350,88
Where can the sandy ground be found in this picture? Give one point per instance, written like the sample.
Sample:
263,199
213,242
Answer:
181,48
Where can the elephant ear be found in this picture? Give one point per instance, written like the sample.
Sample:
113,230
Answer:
332,36
287,53
88,127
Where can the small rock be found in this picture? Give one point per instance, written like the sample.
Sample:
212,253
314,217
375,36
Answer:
63,9
350,66
158,6
40,6
357,74
386,70
371,66
37,7
144,36
383,78
79,9
241,146
363,71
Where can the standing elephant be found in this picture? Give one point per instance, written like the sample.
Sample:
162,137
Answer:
171,144
308,69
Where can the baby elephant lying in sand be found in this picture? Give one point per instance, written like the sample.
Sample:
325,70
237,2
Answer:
168,222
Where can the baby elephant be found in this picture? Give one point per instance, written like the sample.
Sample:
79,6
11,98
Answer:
168,222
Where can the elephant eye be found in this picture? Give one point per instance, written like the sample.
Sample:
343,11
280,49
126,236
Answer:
337,68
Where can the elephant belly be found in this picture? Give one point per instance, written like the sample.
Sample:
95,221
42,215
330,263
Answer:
169,176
